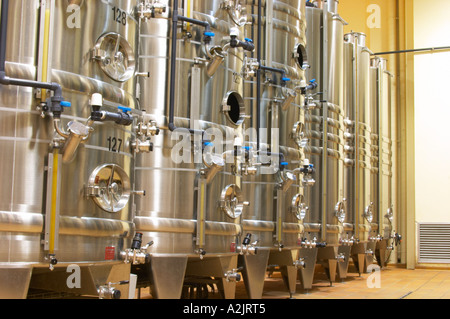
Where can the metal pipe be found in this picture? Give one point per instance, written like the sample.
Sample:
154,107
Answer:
57,98
267,68
411,50
325,86
258,77
173,60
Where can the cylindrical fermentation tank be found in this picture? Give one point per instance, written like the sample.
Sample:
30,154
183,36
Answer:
384,179
273,94
194,53
69,166
358,188
327,222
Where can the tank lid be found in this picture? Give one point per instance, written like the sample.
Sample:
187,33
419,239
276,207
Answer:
331,5
356,37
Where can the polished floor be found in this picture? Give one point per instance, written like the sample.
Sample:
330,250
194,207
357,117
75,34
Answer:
393,282
390,283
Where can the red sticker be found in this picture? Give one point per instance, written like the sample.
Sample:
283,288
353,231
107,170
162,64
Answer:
233,247
110,252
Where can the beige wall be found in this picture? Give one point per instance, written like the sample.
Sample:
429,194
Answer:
423,111
432,111
389,26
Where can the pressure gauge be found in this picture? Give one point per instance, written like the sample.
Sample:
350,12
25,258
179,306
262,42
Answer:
110,187
115,56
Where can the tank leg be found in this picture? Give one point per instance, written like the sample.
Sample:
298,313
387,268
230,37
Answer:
306,274
254,272
289,274
216,267
167,276
330,266
343,264
359,260
14,281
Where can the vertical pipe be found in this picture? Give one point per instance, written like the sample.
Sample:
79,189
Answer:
258,77
379,112
3,34
324,121
45,51
356,114
173,60
54,203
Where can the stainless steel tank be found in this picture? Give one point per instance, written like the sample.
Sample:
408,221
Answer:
193,205
69,200
360,117
385,204
325,129
274,96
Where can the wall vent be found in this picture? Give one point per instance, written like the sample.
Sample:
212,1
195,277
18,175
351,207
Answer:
434,243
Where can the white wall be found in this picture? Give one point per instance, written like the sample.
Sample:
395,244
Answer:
432,111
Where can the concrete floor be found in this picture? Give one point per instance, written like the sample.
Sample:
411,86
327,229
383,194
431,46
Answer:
391,283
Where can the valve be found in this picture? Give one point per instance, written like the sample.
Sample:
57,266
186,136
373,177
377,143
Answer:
149,10
300,263
248,166
52,261
312,85
376,238
307,170
200,252
145,129
247,247
340,258
397,239
136,255
250,67
121,117
306,243
108,291
247,44
232,275
346,241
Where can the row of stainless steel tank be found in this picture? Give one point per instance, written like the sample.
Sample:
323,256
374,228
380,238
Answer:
182,141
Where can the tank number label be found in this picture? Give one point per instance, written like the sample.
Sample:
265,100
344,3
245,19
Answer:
119,16
114,144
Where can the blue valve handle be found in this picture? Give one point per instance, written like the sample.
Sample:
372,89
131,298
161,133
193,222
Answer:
66,104
286,79
124,109
249,40
209,34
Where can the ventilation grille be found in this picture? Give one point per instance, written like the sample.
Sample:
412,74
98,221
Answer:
434,243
